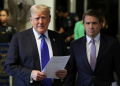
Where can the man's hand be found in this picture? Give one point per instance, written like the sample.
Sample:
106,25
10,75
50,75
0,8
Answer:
61,30
61,73
37,75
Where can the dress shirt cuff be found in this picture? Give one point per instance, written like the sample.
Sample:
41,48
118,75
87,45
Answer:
31,80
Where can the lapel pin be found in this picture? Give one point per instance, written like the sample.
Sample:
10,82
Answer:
53,39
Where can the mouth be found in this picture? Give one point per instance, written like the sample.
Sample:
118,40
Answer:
40,26
91,31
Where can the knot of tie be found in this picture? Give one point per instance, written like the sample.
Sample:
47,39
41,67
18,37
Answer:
42,36
92,40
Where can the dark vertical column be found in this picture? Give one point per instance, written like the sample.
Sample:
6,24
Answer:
80,8
1,4
63,3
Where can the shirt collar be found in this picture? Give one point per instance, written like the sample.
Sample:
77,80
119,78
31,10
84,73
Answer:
37,35
97,38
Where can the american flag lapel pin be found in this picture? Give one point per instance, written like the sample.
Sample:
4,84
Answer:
53,39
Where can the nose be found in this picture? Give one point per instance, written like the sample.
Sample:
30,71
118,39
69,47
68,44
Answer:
40,20
91,25
1,17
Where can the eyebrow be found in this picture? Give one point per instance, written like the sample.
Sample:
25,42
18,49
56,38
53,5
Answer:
90,22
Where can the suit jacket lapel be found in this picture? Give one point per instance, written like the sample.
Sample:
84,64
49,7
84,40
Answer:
32,42
101,49
53,43
83,48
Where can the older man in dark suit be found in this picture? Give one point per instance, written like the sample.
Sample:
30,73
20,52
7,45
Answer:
25,54
94,56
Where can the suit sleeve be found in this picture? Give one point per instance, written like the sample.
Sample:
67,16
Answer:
71,69
12,64
117,60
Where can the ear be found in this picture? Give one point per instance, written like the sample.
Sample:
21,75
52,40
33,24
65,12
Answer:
31,20
100,25
7,17
50,19
83,25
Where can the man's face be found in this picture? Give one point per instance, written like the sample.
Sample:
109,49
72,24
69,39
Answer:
3,17
40,21
92,26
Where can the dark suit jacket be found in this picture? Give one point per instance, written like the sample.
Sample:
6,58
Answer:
23,57
108,60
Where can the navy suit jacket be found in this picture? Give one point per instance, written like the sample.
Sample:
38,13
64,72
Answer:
108,60
23,57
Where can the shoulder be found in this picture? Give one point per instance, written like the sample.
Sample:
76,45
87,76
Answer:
23,33
54,33
109,39
74,16
11,27
79,40
77,23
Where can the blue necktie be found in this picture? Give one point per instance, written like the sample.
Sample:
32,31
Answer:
44,60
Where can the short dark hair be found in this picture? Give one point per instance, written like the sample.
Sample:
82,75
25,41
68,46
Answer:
61,9
92,12
6,10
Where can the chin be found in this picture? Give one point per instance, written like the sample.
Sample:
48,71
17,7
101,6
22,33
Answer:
41,31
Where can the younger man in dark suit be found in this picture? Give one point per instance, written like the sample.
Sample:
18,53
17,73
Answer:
24,55
94,56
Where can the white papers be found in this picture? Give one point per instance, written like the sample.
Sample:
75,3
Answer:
55,63
115,84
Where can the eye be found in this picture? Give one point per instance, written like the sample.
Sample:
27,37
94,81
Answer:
87,23
94,22
43,18
36,18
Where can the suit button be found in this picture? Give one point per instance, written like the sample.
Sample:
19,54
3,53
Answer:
93,76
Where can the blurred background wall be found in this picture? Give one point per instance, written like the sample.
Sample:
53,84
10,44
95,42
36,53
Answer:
19,12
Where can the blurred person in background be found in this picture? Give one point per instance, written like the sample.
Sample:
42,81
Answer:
6,30
58,21
79,30
109,26
104,26
67,24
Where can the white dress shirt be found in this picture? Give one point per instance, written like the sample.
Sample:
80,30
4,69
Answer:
38,42
89,44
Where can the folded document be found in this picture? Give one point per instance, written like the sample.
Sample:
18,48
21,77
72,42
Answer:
55,63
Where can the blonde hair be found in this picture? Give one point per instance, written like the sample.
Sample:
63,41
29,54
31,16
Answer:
39,8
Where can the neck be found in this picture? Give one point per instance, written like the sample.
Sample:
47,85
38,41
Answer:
65,14
4,24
